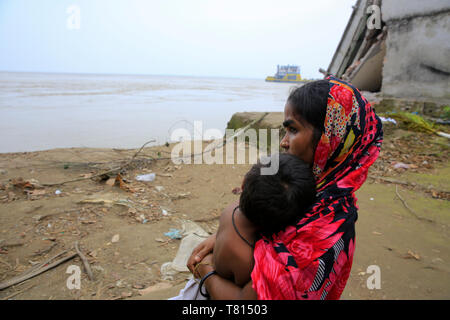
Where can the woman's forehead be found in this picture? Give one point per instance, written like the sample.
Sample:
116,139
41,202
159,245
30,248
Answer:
289,112
292,118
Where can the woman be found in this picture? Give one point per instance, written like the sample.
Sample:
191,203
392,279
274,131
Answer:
331,126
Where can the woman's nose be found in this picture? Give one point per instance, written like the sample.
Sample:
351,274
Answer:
284,142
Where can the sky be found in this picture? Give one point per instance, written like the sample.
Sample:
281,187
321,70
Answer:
217,38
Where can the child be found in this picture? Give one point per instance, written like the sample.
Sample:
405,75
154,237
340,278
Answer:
267,205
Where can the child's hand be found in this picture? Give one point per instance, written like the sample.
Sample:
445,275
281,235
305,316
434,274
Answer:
204,266
203,249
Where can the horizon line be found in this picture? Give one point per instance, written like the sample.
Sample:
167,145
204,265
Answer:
132,74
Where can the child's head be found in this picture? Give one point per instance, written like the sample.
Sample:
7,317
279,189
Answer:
273,202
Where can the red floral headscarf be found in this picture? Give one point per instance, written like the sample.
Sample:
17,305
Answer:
312,260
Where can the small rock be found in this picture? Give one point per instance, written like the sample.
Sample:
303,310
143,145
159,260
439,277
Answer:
110,182
115,238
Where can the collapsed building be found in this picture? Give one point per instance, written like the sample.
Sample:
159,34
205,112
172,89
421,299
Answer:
400,50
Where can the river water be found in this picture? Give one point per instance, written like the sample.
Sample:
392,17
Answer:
40,111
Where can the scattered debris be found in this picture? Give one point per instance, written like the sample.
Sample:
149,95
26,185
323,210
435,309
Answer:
115,238
38,192
388,120
111,182
44,251
193,235
173,234
401,165
121,183
146,177
180,195
412,255
26,184
36,270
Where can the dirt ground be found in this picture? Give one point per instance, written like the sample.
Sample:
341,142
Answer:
121,227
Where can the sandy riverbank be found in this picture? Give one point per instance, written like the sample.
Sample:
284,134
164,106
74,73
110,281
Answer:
411,249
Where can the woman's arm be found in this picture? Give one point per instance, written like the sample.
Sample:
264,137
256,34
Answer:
200,252
223,289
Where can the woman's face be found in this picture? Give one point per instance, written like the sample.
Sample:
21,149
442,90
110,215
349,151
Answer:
298,138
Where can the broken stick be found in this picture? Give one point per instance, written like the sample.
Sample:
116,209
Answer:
28,275
409,209
83,258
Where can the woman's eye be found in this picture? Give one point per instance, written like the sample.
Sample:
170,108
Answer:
292,130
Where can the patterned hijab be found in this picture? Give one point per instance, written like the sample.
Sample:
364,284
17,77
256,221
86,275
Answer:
312,260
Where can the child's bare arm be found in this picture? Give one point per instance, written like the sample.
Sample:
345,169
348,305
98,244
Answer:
220,288
233,258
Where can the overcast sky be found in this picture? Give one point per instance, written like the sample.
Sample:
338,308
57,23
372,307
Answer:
224,38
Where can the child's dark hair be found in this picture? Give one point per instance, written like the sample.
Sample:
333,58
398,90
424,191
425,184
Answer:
309,103
273,202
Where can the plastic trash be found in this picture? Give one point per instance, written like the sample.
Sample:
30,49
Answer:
193,235
173,234
58,192
146,177
383,119
401,165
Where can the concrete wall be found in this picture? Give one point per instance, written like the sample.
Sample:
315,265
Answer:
417,62
400,9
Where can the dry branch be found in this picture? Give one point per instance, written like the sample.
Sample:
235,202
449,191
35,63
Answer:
100,174
83,258
34,272
409,209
